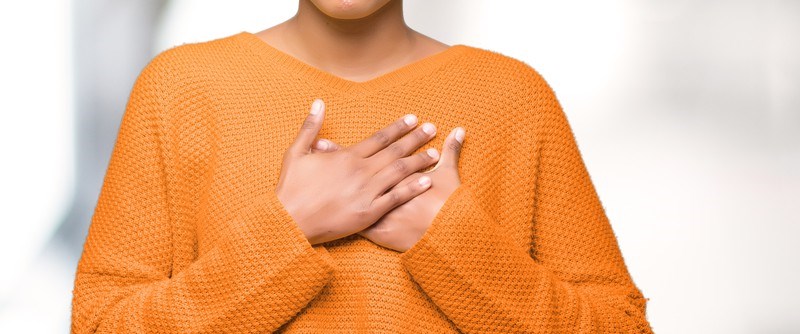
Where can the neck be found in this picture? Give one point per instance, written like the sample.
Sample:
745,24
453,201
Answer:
349,45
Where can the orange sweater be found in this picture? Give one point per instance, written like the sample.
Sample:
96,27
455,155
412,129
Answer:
188,235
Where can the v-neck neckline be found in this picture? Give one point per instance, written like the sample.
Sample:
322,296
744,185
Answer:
326,79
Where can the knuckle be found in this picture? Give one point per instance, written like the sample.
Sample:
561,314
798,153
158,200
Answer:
418,160
414,186
400,125
454,145
363,211
309,123
346,154
396,150
348,157
420,135
394,197
349,161
381,137
362,215
400,166
424,157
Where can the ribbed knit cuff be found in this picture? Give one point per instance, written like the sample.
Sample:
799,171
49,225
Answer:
459,219
267,211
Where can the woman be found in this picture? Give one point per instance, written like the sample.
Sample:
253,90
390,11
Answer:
227,207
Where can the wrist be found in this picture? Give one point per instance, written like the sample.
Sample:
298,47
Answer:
308,231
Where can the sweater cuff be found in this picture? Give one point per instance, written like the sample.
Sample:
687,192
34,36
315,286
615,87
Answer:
268,210
448,228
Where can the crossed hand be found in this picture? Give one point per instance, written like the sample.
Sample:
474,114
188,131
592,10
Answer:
373,187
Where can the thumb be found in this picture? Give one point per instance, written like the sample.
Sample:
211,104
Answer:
452,149
309,129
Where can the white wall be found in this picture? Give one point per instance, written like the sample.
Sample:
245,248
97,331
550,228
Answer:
37,148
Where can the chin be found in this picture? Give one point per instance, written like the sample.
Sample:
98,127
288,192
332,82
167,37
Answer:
349,9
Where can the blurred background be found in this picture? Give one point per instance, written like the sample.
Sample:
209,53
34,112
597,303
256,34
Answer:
687,114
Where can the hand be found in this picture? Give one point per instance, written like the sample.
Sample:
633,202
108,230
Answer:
403,226
334,194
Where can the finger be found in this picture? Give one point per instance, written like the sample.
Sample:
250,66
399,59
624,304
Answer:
325,145
411,178
400,195
451,151
383,137
400,169
405,145
309,129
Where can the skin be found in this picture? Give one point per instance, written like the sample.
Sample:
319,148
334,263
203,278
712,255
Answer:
372,187
356,42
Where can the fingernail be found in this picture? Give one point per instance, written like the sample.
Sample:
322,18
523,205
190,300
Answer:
432,152
428,128
316,106
410,119
460,135
425,181
322,145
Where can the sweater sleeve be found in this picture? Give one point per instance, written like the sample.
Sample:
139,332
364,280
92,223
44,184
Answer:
571,280
258,276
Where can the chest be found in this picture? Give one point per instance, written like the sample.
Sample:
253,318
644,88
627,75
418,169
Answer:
248,140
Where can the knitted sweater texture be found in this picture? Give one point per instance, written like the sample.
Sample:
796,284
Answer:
188,235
